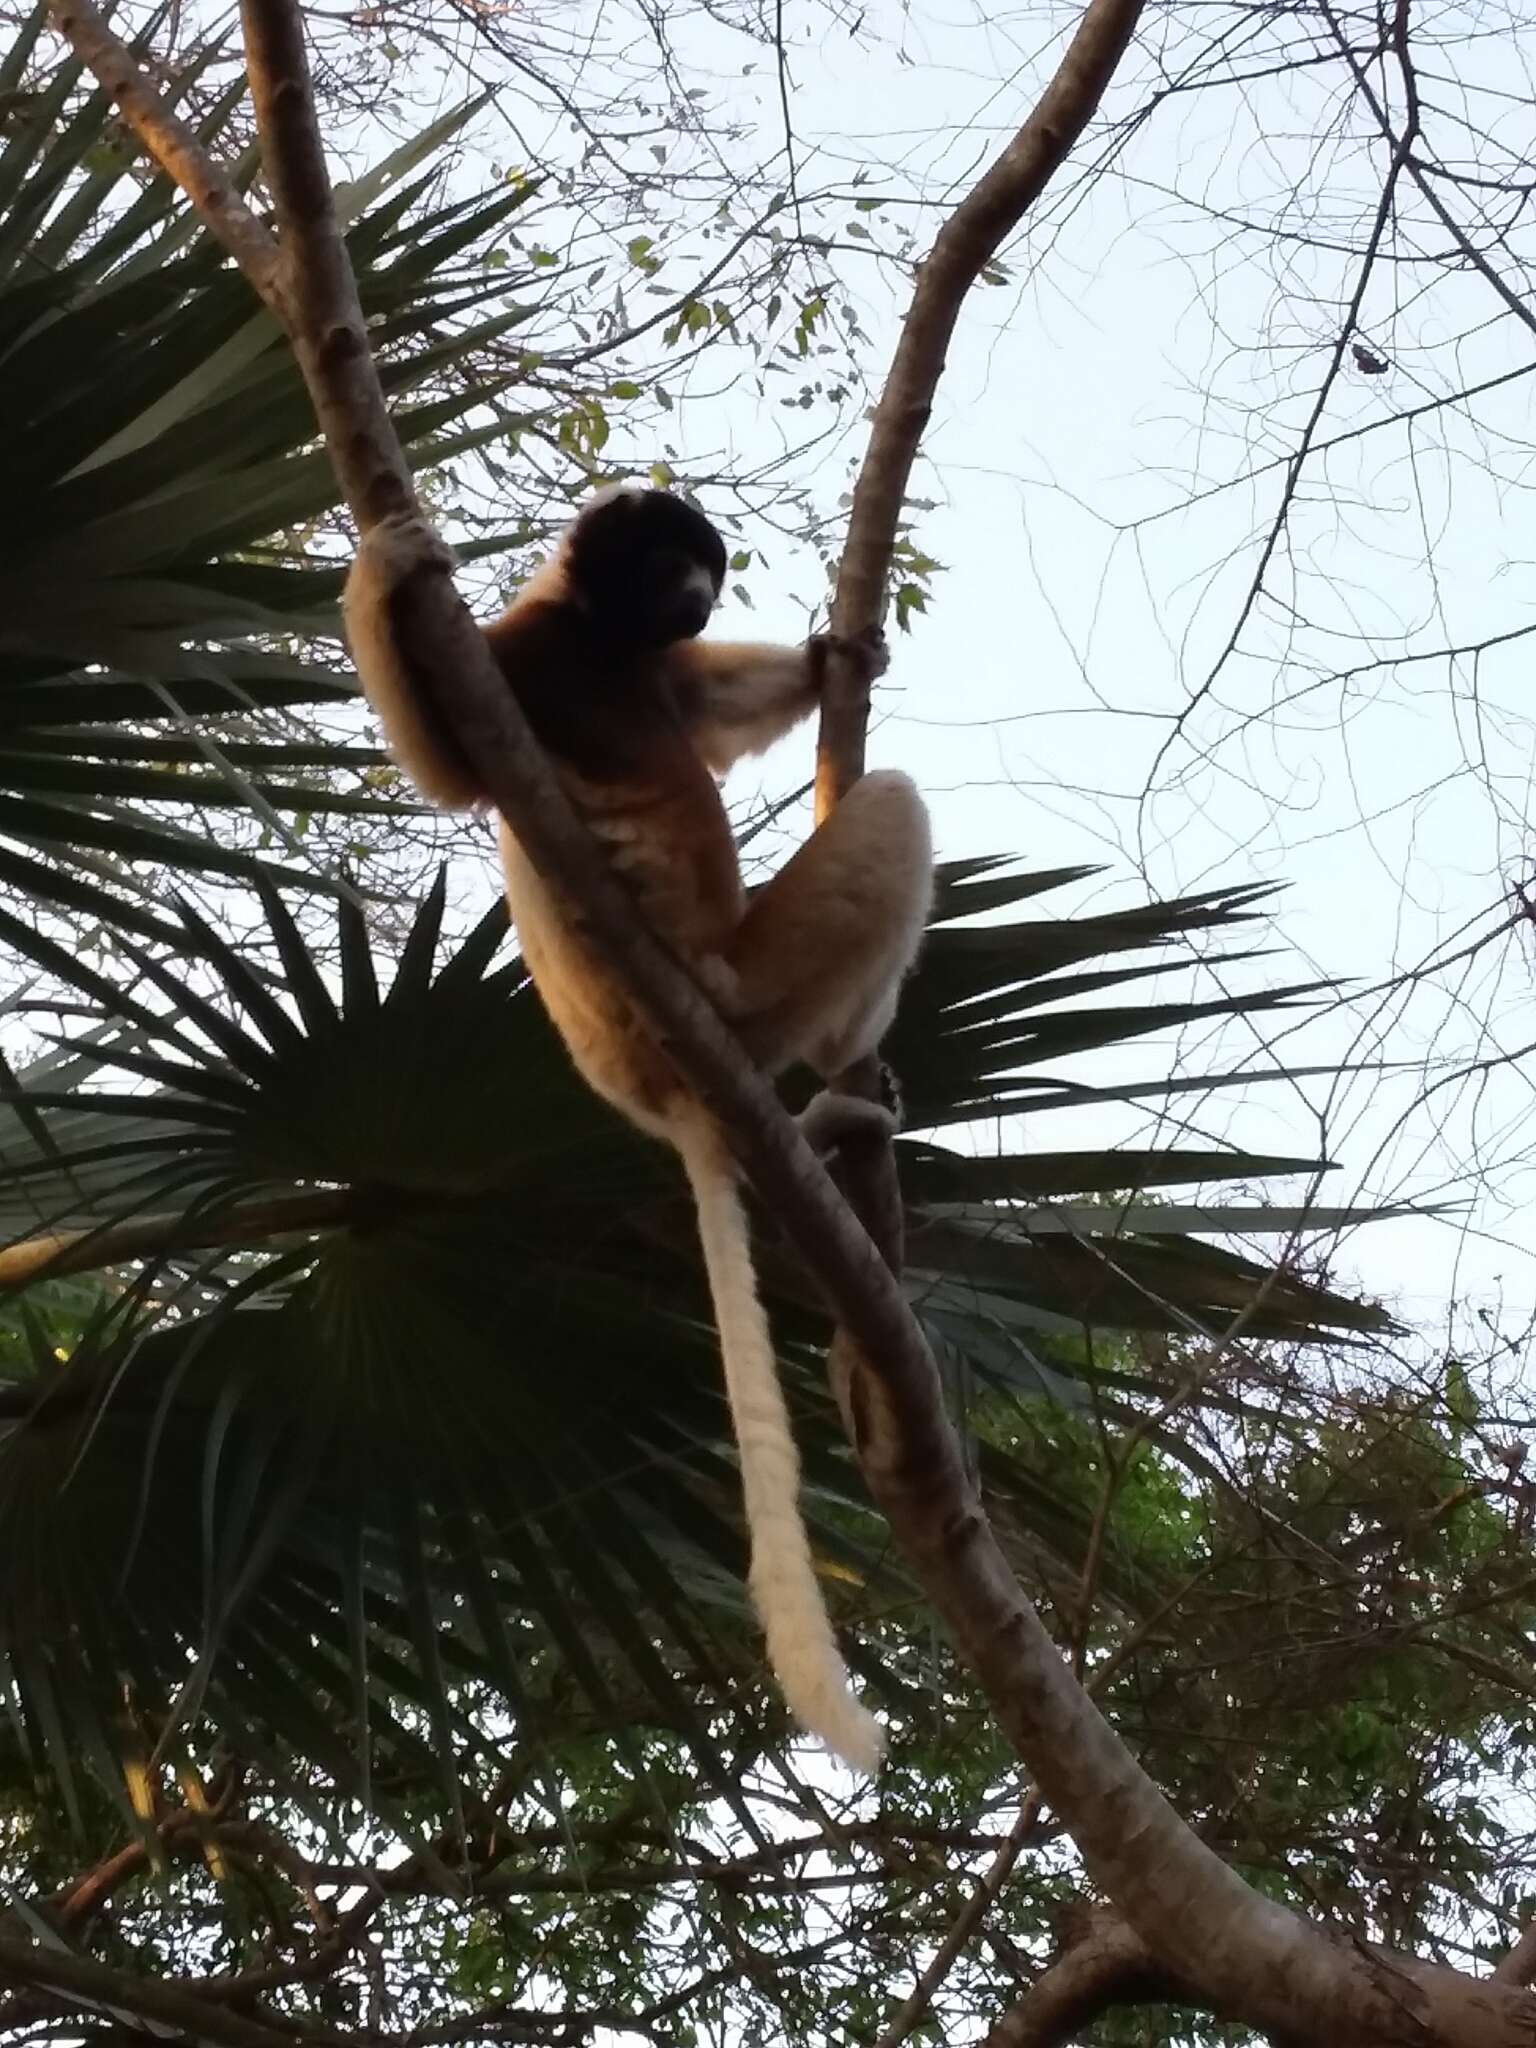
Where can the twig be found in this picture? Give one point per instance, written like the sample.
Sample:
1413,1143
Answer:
781,58
1403,151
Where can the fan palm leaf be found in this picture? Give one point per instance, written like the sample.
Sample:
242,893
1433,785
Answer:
156,435
410,1391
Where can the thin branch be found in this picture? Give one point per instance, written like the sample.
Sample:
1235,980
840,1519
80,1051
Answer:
1301,454
87,1893
781,60
1417,169
59,1252
171,144
966,1922
966,243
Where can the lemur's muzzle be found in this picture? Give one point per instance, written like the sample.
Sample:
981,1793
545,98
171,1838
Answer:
689,611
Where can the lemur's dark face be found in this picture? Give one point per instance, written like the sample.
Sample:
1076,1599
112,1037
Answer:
646,567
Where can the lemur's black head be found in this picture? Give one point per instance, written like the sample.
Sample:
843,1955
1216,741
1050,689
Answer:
645,567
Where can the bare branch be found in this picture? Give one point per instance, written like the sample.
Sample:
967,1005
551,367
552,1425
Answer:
171,144
1101,1964
963,247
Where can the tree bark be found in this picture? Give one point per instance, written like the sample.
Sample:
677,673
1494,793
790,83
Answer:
1101,1964
89,1986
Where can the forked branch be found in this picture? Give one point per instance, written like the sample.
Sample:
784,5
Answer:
1102,1964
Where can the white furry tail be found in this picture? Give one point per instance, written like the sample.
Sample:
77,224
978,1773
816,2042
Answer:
801,1647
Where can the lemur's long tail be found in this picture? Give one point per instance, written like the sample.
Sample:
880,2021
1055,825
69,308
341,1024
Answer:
801,1646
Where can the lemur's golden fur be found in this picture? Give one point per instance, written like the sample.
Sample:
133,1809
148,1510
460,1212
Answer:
638,715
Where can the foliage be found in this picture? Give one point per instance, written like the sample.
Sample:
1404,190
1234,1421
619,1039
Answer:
1366,1775
383,1410
153,630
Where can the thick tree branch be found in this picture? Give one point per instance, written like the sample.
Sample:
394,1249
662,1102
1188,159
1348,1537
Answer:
1242,1953
1101,1964
1518,1965
963,247
170,143
317,290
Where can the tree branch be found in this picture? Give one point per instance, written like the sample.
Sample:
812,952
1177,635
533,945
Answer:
94,1987
966,243
58,1252
170,143
1101,1964
963,246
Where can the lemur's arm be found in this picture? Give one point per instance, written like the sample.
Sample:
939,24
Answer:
388,556
738,697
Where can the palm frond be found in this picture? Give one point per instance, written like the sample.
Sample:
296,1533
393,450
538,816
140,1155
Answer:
156,436
411,1259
